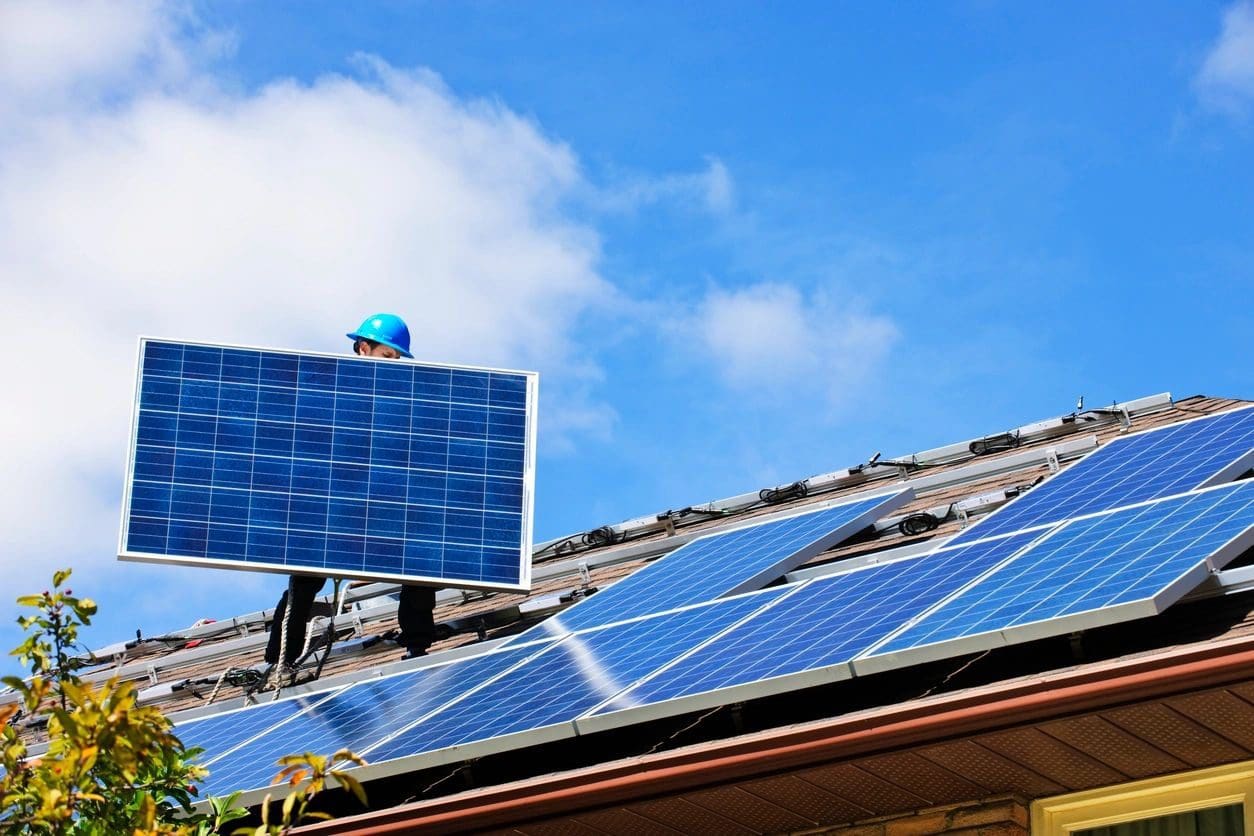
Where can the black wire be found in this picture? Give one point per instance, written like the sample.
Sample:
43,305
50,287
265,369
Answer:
916,524
603,536
773,496
994,444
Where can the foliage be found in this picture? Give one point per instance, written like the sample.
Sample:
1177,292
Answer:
316,769
113,766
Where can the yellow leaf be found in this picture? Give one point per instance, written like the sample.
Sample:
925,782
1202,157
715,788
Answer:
288,804
352,785
348,755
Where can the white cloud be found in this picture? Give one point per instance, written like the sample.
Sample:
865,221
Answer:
770,339
1226,79
279,216
711,190
50,51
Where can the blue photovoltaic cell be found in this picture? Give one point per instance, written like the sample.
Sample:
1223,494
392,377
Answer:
1120,557
359,717
1133,469
341,466
715,565
219,733
572,677
824,622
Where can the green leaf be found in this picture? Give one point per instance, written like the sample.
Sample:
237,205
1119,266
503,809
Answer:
61,576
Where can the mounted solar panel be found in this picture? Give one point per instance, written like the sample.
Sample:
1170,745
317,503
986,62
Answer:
519,695
358,717
219,734
340,466
723,563
806,638
538,700
1102,569
1146,465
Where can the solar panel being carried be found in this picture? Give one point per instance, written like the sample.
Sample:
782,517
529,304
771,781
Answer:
1145,465
723,563
349,467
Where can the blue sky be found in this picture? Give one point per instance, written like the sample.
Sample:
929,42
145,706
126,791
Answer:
742,243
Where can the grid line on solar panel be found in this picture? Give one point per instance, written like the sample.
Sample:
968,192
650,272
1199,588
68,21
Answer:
722,563
221,734
363,714
323,473
810,636
579,672
1154,463
1099,569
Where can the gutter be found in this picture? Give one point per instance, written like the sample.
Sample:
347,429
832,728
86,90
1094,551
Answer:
1076,690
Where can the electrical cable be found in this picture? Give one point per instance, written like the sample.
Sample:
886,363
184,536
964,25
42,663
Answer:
773,496
995,444
919,523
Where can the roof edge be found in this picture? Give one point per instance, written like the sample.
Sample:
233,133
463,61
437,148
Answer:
1093,686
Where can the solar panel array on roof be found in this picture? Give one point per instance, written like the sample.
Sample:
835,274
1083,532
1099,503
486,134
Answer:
723,563
521,689
575,675
219,734
1145,465
1113,566
349,467
625,663
358,717
819,628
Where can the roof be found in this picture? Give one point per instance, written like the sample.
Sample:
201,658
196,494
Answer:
211,667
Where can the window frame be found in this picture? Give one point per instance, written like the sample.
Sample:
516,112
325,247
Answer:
1165,795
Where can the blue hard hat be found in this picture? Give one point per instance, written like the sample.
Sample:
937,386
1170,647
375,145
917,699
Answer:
385,328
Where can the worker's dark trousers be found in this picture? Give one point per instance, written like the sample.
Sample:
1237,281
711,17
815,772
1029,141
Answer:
415,616
304,590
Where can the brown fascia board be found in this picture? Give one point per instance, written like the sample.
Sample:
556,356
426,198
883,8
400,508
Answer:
916,723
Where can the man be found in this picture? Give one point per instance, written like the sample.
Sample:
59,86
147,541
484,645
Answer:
386,336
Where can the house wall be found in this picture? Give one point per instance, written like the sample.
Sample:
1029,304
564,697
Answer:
1002,816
